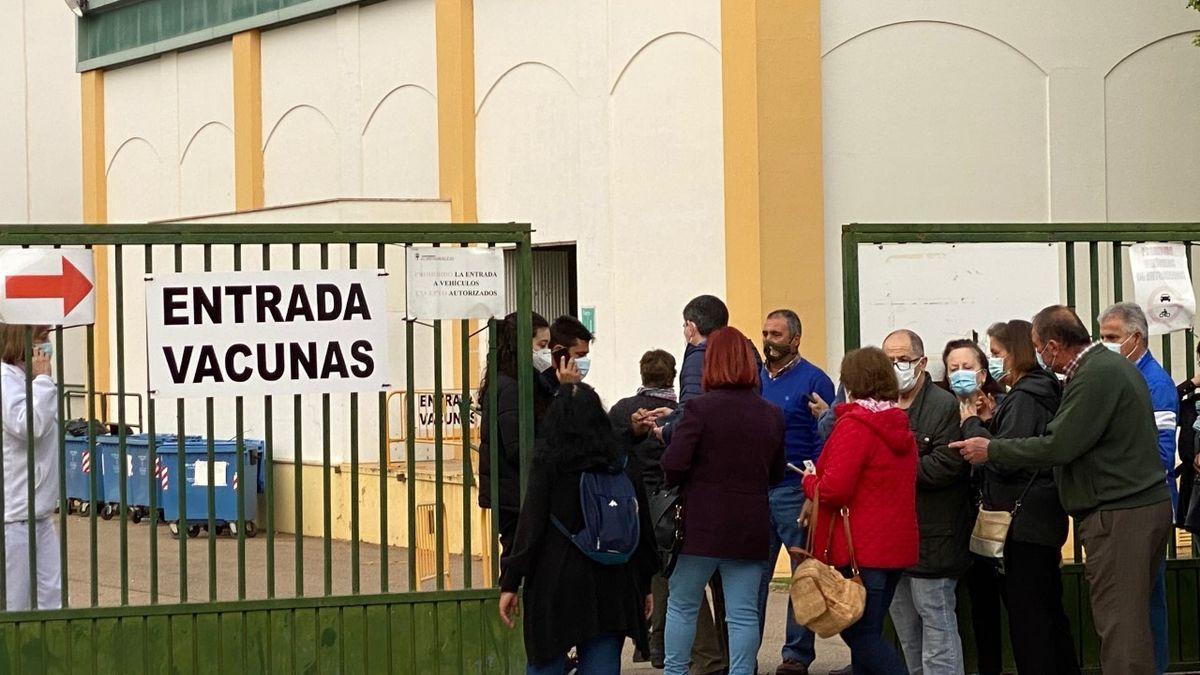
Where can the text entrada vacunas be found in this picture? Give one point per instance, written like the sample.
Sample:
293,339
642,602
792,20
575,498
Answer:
260,304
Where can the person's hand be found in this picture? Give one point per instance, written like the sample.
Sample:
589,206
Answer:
817,405
510,608
985,407
657,432
974,450
1196,379
805,513
1196,463
41,362
642,421
659,413
649,606
568,372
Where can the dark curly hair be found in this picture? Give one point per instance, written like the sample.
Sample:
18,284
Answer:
576,433
507,349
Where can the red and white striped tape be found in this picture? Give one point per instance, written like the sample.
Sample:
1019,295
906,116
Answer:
87,462
235,481
160,472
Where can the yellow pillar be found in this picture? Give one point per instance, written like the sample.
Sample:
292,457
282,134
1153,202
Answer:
95,210
455,27
774,219
247,121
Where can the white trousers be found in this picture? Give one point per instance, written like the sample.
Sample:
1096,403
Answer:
49,573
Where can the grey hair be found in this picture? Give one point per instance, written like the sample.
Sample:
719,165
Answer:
1130,314
915,341
793,320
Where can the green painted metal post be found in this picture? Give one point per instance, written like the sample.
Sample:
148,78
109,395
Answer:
355,533
326,460
851,326
244,480
1118,272
384,460
152,474
464,417
269,466
494,443
1070,252
298,466
31,469
122,442
182,525
210,486
410,447
3,534
525,356
63,557
1094,286
93,475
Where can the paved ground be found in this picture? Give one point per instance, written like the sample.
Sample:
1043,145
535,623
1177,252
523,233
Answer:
830,653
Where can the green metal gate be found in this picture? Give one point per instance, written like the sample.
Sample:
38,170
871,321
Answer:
1103,245
137,602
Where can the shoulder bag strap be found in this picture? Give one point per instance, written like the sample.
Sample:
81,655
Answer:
812,521
849,540
1024,492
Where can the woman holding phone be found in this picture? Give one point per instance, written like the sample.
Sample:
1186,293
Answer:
17,371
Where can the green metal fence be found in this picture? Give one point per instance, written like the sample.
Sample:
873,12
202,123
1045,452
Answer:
135,601
1104,278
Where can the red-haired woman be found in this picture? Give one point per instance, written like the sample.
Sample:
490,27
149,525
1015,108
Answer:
725,453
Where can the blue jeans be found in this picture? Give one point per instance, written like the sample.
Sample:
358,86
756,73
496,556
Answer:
1158,620
923,613
599,656
786,502
740,580
870,653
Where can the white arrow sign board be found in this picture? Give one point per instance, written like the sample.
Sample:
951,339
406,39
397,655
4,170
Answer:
47,287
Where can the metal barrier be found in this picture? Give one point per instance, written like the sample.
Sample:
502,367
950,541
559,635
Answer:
226,605
1103,244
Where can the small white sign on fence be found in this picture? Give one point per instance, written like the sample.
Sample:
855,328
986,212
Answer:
1162,285
455,283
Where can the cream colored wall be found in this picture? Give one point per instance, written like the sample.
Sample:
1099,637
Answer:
601,125
1020,112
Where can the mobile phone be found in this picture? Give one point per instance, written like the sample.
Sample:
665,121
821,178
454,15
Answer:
809,466
559,357
795,468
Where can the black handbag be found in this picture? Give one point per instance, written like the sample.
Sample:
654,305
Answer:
666,515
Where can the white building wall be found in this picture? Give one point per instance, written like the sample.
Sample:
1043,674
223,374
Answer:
602,126
1017,112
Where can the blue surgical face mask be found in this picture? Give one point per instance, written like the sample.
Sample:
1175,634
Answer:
964,382
996,368
46,347
584,364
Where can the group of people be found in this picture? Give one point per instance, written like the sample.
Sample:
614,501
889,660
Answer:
1046,423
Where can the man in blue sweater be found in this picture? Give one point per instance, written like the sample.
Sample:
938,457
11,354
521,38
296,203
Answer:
1124,330
789,381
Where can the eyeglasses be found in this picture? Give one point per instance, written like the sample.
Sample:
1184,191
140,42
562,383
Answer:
904,364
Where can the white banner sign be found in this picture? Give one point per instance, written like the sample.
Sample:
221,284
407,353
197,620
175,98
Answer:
1162,285
455,283
256,333
47,287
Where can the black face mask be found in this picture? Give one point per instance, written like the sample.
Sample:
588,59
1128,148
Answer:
778,352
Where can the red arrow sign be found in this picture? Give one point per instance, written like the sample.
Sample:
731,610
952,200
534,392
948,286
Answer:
72,286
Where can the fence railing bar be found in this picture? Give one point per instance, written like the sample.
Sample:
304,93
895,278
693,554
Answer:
152,466
210,487
3,534
355,534
439,508
183,528
384,449
410,449
63,502
464,416
326,484
94,474
31,470
122,441
269,467
298,466
245,481
494,446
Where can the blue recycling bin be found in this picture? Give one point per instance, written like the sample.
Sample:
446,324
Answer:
137,471
79,468
227,485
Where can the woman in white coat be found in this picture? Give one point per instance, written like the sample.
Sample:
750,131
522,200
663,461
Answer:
17,409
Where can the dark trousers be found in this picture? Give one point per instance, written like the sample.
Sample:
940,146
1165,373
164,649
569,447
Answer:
1124,549
1037,622
983,581
870,653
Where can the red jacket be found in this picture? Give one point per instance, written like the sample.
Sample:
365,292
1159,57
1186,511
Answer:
870,465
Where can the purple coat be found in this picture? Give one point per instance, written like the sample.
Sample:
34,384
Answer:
726,453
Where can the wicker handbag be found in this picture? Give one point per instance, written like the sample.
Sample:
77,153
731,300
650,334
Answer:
823,600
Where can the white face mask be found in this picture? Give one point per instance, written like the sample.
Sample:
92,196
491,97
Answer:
542,359
906,376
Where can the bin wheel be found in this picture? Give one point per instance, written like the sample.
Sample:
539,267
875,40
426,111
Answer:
107,512
251,529
193,531
173,526
135,515
84,508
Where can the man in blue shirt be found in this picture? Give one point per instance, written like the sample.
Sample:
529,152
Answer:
1124,330
789,382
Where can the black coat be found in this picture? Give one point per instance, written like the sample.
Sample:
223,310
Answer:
944,510
647,451
1024,413
508,425
570,599
1188,398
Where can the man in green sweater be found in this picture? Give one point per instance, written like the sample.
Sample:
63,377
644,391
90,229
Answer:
1103,446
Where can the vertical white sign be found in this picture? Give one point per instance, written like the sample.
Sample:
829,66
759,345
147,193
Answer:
455,283
1162,285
